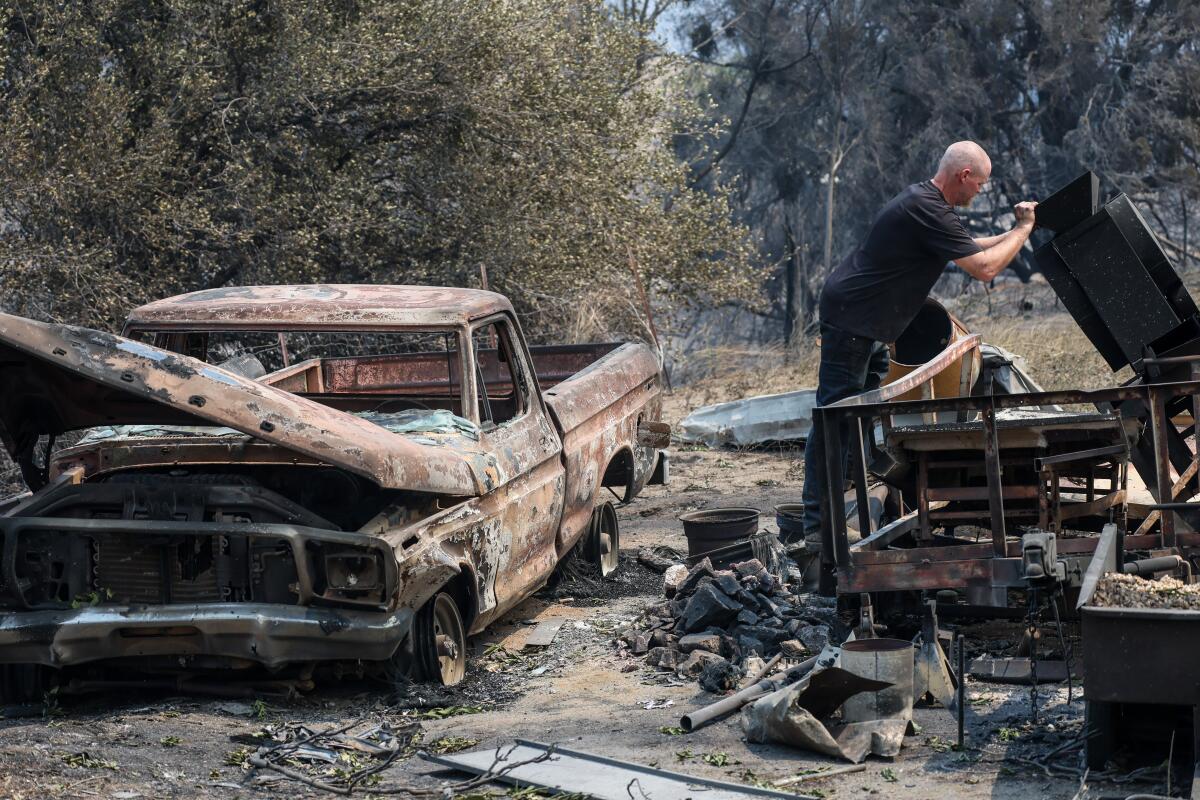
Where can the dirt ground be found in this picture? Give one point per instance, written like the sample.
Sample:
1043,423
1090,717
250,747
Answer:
580,693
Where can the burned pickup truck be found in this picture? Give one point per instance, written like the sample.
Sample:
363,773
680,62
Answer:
282,477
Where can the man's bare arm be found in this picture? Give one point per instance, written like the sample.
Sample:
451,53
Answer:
987,241
991,262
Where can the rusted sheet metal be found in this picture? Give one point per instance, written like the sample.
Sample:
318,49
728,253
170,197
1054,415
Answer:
327,306
604,383
905,577
89,378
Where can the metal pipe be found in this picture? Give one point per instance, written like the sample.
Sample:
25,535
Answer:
701,717
1162,465
1149,566
962,690
991,448
827,580
860,488
1081,455
835,474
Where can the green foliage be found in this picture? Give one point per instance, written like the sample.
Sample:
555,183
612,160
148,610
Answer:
149,147
237,758
444,712
1007,734
451,744
88,761
170,741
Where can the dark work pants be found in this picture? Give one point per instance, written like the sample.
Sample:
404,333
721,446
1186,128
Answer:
850,365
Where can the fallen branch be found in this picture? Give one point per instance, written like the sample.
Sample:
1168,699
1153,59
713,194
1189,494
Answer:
812,776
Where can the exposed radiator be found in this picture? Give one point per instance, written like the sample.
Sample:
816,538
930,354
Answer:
133,569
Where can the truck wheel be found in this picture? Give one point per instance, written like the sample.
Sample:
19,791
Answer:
440,641
604,540
23,683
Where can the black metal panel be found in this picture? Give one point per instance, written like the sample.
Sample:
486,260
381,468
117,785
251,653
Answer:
1075,300
1071,204
1137,655
1117,282
1143,242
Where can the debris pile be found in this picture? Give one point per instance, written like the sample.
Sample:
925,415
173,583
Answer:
713,622
1129,591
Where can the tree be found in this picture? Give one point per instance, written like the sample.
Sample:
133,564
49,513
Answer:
149,147
835,105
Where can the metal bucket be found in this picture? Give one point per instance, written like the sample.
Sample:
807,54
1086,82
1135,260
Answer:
932,331
888,660
715,528
790,519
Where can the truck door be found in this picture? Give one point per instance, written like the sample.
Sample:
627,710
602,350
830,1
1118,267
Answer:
518,432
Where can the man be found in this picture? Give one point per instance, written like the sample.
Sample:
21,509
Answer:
877,291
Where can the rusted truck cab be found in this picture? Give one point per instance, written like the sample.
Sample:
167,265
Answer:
282,476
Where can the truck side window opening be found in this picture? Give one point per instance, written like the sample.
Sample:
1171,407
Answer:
501,396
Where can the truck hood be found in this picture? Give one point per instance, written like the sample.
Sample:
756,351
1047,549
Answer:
58,378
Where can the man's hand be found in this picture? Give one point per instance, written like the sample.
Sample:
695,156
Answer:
998,251
1025,213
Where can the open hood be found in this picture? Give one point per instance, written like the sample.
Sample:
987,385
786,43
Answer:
57,378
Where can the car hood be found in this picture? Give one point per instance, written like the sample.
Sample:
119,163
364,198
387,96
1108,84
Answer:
58,378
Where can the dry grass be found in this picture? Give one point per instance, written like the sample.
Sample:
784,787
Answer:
1056,352
731,373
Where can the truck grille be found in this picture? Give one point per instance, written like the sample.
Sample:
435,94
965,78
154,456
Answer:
137,571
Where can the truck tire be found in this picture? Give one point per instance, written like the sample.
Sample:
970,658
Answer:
439,645
23,684
604,540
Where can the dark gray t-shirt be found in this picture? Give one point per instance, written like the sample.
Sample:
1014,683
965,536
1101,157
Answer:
881,286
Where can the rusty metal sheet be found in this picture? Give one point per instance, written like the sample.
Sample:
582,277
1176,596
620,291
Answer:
330,306
603,384
61,377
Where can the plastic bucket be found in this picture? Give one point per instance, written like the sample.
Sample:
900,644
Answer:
715,528
789,517
889,660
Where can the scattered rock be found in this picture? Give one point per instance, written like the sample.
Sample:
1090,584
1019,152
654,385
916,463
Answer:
700,641
659,559
718,625
751,646
745,569
696,662
708,606
697,574
792,649
727,582
814,637
747,617
672,578
720,676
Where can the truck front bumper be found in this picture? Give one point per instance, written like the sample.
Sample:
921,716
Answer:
272,635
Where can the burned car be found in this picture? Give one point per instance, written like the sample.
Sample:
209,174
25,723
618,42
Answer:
274,477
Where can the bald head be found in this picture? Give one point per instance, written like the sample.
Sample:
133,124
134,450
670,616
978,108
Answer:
962,172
